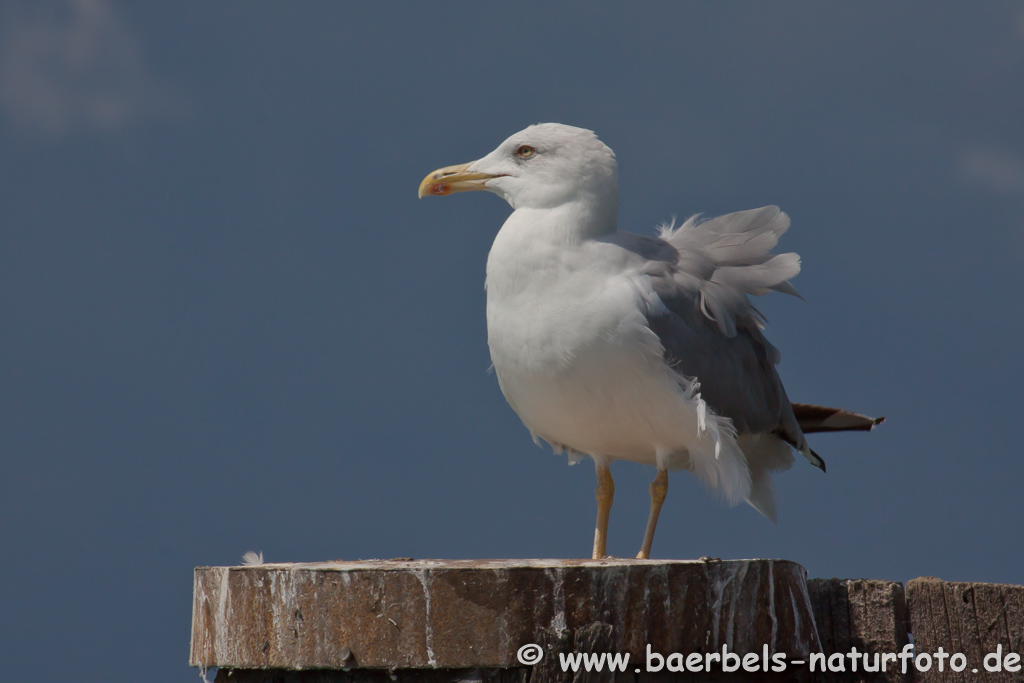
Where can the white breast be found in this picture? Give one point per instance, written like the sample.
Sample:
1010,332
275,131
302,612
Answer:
572,351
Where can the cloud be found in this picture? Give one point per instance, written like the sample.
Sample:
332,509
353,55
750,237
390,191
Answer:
75,69
998,171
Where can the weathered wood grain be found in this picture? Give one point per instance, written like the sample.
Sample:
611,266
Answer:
432,621
868,615
976,619
476,614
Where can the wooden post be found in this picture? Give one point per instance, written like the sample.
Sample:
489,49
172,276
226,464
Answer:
976,619
430,621
470,615
868,615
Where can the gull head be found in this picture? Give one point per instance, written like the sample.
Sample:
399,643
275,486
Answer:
542,167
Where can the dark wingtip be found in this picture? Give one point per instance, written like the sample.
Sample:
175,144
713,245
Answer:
821,460
877,421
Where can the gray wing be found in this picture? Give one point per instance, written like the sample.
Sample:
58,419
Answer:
702,273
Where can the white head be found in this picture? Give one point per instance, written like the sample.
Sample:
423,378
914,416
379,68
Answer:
541,167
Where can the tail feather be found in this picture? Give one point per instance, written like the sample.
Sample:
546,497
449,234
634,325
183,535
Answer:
821,419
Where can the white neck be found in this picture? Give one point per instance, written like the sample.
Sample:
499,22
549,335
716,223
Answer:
533,247
569,223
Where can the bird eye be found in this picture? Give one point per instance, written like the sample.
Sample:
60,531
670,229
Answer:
525,152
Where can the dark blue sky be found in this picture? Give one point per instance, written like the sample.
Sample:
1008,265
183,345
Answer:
227,323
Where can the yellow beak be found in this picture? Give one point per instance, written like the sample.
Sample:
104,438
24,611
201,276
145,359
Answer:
453,179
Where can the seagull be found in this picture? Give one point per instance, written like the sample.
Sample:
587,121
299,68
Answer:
621,346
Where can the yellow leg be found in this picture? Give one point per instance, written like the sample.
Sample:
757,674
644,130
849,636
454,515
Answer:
659,489
604,493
